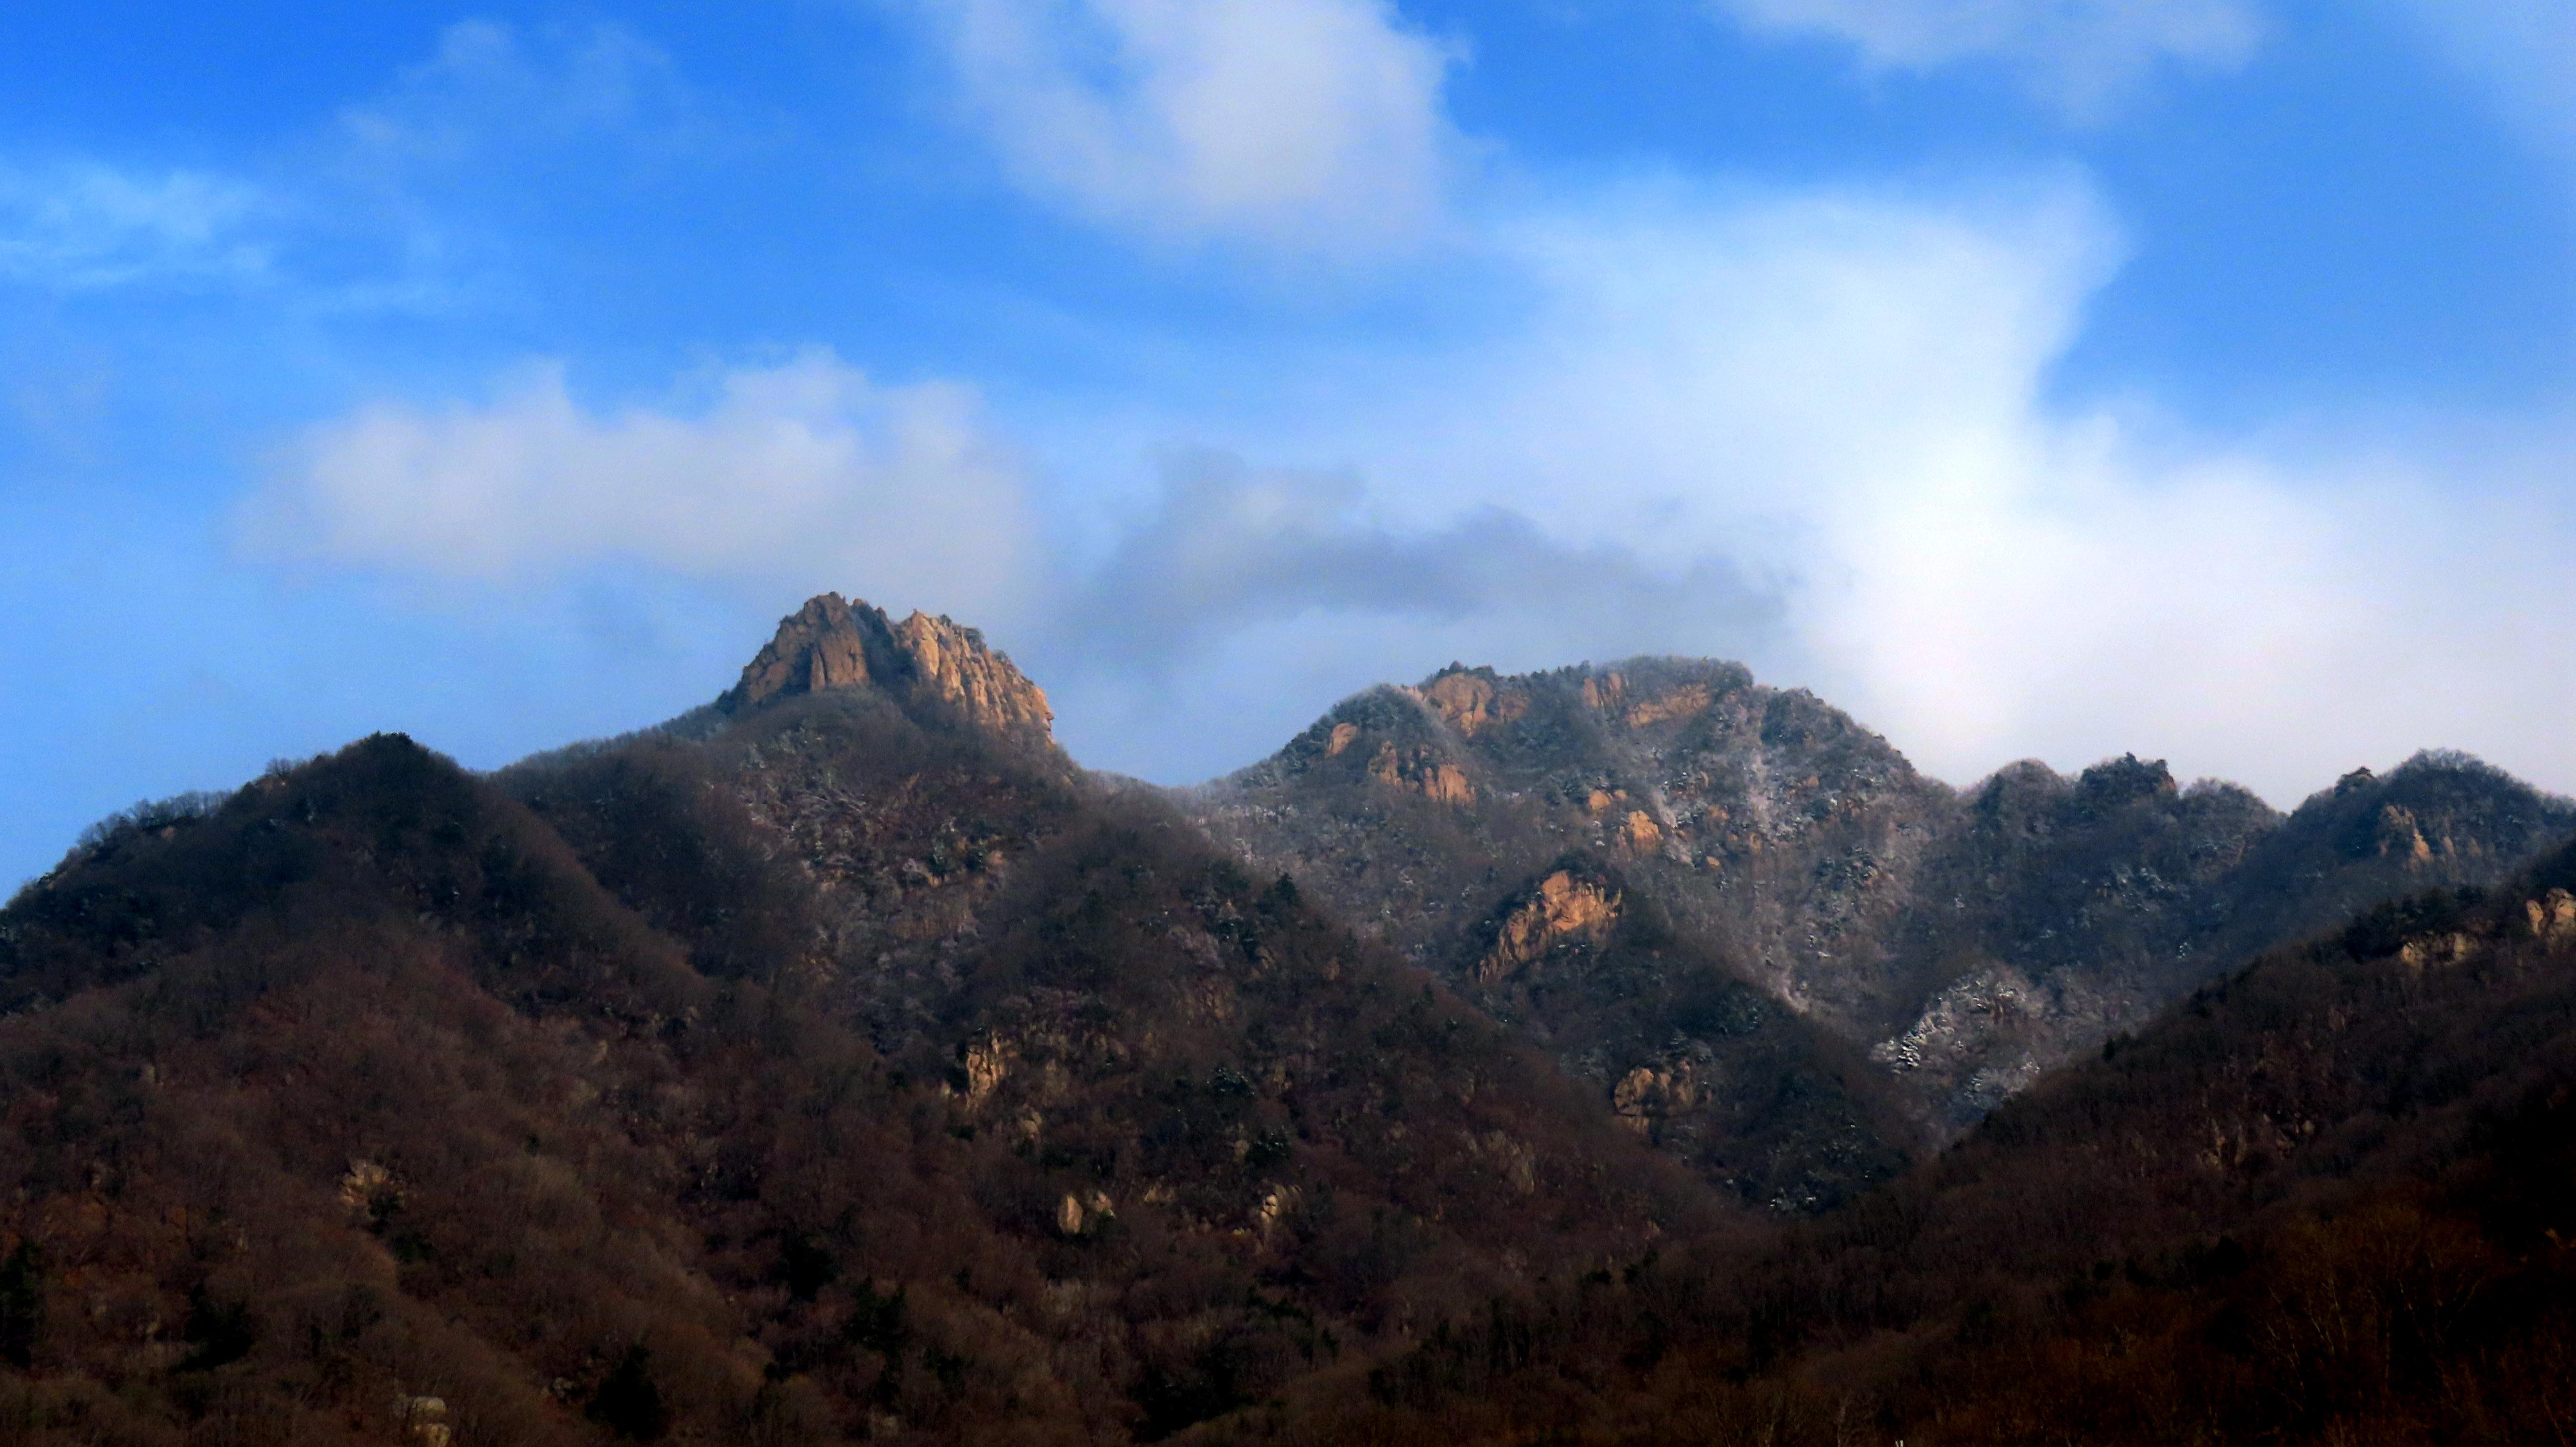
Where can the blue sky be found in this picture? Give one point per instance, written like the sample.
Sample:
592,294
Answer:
2031,377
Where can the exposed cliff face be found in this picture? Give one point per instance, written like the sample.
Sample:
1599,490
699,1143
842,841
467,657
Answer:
1562,907
832,644
1967,941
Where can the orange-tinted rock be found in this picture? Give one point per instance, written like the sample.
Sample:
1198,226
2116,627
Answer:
1643,834
1645,1095
1436,779
1681,703
832,644
1563,907
2553,916
951,663
1470,703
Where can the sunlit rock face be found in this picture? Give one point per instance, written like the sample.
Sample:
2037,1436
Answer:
1561,907
832,644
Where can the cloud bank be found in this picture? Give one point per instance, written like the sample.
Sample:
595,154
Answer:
1308,125
1232,548
1813,432
1852,394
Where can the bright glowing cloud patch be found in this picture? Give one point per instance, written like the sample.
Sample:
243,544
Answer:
1306,124
1843,399
802,470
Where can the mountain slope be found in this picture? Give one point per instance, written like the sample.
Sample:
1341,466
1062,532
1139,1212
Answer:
560,1099
2328,1200
841,1062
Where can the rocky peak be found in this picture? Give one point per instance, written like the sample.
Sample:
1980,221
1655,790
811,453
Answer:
833,643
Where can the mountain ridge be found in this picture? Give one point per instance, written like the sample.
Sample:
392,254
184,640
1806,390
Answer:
1967,938
841,1061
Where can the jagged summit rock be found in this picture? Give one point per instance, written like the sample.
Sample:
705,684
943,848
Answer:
833,643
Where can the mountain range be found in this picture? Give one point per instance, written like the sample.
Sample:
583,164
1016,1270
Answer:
1623,1053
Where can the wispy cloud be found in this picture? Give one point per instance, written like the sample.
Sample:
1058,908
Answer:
2086,55
492,89
84,225
363,212
1310,125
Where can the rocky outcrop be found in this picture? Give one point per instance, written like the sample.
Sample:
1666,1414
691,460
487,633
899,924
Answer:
1647,1096
2552,917
1562,907
1468,700
1422,772
834,644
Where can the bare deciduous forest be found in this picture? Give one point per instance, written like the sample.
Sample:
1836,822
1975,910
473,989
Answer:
834,1070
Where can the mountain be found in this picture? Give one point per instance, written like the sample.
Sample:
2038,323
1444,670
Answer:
837,1062
1966,941
840,1061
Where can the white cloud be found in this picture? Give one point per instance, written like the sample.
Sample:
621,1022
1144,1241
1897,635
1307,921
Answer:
1852,392
2084,54
1845,399
796,476
1307,124
80,226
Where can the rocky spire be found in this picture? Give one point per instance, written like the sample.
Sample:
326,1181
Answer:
832,643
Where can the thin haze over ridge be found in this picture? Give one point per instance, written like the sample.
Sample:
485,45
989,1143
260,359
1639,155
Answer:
1812,422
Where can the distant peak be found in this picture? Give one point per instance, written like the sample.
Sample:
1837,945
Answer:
833,643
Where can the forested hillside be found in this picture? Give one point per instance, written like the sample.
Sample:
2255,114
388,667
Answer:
2331,1199
842,1062
371,1084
